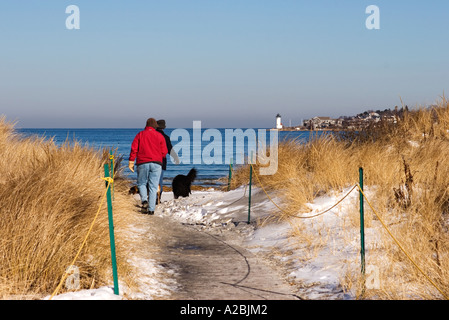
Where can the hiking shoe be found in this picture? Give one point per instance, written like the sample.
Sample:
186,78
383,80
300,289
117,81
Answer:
145,207
151,213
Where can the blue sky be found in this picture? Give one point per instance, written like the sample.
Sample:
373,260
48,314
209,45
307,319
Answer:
228,63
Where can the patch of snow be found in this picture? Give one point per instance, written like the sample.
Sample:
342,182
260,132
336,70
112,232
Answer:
321,272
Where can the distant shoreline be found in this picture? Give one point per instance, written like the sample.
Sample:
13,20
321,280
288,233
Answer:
308,130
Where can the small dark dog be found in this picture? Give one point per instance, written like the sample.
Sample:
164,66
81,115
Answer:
134,190
181,184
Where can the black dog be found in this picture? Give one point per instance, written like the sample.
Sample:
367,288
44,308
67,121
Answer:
135,190
181,184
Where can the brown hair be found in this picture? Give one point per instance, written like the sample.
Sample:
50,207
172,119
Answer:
151,122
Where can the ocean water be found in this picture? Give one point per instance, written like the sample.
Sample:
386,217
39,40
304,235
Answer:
189,149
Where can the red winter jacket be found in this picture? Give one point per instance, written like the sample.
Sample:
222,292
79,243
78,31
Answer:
148,146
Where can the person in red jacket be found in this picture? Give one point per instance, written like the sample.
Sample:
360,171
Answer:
148,150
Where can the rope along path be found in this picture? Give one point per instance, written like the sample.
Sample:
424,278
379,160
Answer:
401,247
301,217
357,186
110,182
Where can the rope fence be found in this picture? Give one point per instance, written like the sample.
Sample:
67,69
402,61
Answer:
362,196
109,183
109,178
107,197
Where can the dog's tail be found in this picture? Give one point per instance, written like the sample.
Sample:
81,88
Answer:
192,174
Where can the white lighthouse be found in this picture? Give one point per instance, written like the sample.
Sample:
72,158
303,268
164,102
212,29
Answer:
278,122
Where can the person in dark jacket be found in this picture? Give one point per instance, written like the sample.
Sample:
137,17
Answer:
160,128
148,150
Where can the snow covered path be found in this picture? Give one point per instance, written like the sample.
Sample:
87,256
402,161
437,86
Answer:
209,268
202,247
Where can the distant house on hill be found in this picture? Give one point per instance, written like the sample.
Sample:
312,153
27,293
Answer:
322,123
370,116
359,121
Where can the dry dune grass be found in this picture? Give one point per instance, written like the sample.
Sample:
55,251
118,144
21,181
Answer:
49,196
406,165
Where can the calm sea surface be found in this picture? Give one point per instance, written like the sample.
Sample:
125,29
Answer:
121,140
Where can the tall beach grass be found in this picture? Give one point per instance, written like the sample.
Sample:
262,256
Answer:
49,196
406,165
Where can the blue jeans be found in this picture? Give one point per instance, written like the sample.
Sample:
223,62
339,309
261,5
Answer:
161,181
148,174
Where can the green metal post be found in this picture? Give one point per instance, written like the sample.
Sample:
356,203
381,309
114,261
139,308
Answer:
112,170
249,195
230,175
250,183
111,233
362,223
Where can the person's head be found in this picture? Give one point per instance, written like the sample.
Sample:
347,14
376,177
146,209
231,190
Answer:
161,124
151,122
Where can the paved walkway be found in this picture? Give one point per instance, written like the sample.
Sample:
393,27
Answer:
208,268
